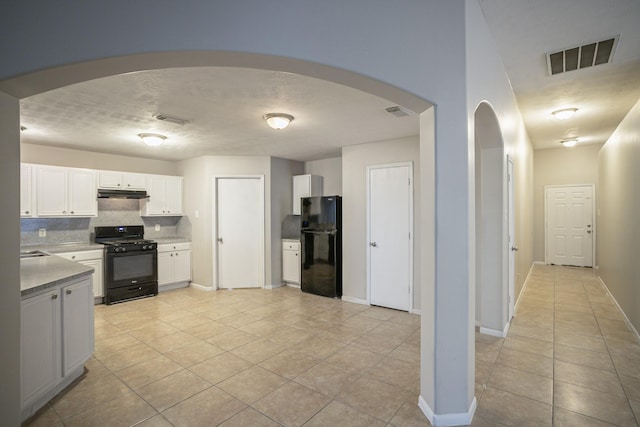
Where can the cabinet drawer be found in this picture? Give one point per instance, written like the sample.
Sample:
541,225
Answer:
291,246
170,247
82,255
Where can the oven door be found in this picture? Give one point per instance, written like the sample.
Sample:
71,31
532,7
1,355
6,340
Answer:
130,268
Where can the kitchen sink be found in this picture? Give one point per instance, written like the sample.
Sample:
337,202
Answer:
32,254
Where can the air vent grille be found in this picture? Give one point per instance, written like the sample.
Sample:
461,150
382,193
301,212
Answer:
170,119
396,111
585,56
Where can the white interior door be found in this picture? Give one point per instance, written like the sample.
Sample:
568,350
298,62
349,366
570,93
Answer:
569,220
512,247
390,252
239,236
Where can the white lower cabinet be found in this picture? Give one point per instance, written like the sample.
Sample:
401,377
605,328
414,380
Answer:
56,339
291,262
93,259
174,263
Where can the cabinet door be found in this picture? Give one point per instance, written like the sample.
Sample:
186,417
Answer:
182,262
77,324
174,195
301,188
97,276
51,190
39,344
82,193
291,266
166,268
26,190
108,179
157,190
134,181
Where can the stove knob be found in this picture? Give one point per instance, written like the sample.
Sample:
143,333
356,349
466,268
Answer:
123,249
145,247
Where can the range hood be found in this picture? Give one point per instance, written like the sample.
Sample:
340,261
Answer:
122,194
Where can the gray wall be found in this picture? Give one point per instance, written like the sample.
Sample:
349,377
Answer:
560,166
355,160
9,260
618,240
331,172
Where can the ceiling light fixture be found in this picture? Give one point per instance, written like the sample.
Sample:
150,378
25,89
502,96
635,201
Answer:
565,113
278,120
569,142
152,139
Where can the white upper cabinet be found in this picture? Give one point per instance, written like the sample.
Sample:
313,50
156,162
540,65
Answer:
66,192
121,180
26,190
305,186
165,196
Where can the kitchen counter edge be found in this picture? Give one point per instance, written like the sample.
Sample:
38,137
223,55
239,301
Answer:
37,274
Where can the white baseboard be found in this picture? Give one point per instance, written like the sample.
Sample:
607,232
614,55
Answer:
526,281
416,311
478,324
202,288
354,300
446,420
624,315
172,286
492,332
273,286
292,285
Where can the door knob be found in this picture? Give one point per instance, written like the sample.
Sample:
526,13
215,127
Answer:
514,248
220,239
374,244
589,231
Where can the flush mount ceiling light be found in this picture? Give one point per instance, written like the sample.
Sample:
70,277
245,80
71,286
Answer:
278,120
152,139
569,142
565,113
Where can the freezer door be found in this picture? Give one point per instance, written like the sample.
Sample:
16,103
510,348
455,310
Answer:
321,263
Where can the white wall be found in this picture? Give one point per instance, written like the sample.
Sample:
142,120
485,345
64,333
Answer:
560,166
9,253
618,244
331,172
44,155
355,159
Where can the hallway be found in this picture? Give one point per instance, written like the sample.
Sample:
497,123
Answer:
568,359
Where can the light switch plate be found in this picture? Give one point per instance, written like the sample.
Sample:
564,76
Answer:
157,227
42,232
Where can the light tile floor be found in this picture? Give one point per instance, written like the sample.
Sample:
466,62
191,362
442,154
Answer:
282,357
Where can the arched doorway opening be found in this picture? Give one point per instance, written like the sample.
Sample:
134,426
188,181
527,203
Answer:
492,268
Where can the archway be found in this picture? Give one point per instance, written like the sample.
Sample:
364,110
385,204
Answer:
491,223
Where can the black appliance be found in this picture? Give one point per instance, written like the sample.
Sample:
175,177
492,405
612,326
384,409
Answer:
321,241
122,194
130,263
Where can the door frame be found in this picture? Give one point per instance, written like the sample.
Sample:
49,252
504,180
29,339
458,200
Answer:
411,227
593,220
214,226
511,240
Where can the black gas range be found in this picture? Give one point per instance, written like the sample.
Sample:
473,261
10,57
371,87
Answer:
131,263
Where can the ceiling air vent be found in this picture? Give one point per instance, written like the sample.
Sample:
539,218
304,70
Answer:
170,119
396,111
585,56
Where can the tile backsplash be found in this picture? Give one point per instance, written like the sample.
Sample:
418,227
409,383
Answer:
110,212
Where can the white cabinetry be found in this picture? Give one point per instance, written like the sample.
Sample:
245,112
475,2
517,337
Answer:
165,196
121,180
40,338
26,190
92,259
66,192
305,186
291,262
56,339
174,263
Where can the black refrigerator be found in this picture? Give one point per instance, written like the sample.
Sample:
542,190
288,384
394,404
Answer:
321,241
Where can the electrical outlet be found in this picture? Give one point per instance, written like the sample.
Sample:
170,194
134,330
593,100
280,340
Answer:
42,232
157,227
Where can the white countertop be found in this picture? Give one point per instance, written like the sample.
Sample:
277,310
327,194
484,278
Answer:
48,271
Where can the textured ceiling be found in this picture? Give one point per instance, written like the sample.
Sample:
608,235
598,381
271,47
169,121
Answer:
526,30
225,106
